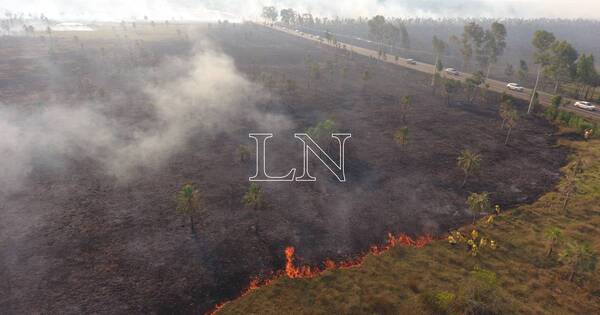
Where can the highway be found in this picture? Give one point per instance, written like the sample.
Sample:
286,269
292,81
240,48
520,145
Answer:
495,85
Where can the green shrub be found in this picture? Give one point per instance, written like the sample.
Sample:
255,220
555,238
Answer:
480,294
584,125
574,122
485,276
556,100
550,113
564,116
439,303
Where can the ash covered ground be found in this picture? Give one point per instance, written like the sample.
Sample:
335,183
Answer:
99,136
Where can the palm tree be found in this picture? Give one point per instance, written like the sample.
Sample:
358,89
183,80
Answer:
405,105
478,203
401,136
553,235
253,197
511,120
505,107
579,257
468,161
188,203
322,131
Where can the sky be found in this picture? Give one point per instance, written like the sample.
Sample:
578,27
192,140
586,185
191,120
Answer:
116,10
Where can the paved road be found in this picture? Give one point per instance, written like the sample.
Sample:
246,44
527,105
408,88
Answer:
495,85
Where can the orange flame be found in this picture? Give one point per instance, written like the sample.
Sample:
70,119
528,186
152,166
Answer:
308,272
305,271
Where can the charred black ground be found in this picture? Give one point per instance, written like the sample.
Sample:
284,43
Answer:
95,246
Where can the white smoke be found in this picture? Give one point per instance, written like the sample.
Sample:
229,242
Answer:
201,95
242,9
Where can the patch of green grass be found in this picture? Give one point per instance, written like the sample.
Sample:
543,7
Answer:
440,278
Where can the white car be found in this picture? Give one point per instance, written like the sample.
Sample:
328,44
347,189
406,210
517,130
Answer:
452,71
515,87
411,61
585,105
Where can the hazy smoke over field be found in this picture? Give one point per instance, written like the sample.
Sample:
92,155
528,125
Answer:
238,9
203,94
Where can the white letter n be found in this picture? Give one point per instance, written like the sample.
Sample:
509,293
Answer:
308,144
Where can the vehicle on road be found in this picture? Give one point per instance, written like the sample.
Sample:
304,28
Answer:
452,71
411,61
515,87
585,105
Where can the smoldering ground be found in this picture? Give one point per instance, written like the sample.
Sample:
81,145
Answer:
203,92
107,123
78,238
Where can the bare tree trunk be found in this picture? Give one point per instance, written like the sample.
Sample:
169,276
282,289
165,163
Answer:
572,274
487,75
192,230
537,80
507,135
567,196
556,85
465,181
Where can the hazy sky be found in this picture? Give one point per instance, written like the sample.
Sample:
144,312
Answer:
232,9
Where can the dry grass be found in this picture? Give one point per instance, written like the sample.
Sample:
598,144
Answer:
442,278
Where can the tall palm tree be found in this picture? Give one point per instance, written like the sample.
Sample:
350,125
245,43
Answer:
405,105
478,203
468,161
553,235
511,120
188,203
505,107
254,198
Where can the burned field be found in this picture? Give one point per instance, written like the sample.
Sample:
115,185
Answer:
96,231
